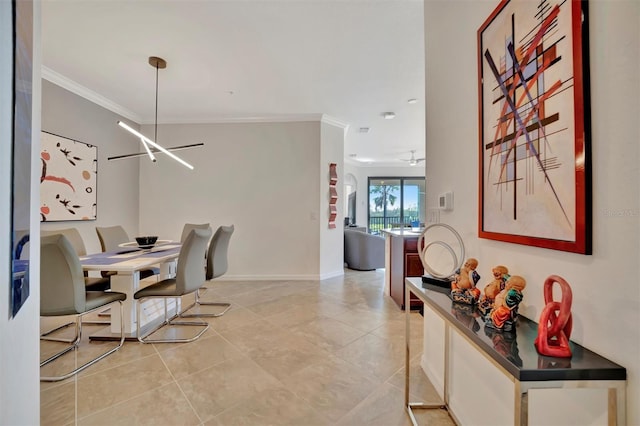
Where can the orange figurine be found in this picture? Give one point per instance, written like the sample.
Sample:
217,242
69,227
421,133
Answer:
504,314
491,290
463,287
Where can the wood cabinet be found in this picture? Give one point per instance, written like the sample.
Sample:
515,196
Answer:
404,261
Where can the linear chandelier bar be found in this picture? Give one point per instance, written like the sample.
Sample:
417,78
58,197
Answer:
153,144
146,147
142,154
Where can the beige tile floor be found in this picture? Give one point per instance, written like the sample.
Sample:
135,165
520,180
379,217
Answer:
287,353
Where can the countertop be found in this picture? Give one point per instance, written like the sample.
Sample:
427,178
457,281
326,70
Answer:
516,351
403,232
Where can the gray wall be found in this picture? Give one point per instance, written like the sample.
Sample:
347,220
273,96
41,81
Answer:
262,177
71,116
606,296
331,240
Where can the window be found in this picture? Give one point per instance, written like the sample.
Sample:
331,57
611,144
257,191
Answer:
396,202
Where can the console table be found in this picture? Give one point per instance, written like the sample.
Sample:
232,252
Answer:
514,357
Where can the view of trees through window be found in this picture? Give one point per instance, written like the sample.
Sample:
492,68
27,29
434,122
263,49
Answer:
395,202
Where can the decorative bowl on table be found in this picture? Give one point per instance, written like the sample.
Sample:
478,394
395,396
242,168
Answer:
146,242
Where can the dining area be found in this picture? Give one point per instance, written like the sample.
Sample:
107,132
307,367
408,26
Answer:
139,290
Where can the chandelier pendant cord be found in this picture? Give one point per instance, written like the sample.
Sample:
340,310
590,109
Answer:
155,135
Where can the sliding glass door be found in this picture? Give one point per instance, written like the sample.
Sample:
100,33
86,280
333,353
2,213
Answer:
395,202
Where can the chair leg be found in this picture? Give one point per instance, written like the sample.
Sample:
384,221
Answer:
198,302
167,322
75,345
103,313
45,335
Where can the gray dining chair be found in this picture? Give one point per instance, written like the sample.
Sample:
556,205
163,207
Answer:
74,237
63,293
189,226
110,239
190,274
217,265
91,283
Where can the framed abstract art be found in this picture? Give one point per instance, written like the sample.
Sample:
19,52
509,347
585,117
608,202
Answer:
68,179
534,119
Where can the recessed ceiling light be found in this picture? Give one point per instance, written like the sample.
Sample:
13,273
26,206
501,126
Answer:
365,160
389,115
412,101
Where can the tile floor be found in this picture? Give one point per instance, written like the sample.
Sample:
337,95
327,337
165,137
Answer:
287,353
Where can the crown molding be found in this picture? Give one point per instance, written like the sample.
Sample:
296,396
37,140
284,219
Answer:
376,164
288,118
70,85
334,122
275,118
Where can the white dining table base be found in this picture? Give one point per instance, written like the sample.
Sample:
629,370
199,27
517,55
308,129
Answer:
152,312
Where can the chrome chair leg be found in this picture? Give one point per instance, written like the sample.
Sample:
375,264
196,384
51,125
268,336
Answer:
45,335
167,322
75,345
199,302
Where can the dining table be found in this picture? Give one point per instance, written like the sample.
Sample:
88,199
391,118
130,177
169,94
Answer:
126,263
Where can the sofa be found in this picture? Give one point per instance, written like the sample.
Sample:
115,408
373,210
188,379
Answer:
362,251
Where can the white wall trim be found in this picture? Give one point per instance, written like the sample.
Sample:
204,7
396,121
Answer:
334,122
310,277
66,83
90,95
289,118
377,164
332,274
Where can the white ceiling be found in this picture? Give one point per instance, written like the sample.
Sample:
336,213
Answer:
263,59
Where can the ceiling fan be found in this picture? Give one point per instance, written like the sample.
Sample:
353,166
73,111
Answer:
413,160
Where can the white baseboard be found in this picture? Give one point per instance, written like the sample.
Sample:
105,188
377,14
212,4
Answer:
292,277
270,278
333,274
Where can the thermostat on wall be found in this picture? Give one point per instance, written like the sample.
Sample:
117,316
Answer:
445,201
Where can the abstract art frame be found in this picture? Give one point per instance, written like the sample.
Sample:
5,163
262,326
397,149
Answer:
68,179
534,118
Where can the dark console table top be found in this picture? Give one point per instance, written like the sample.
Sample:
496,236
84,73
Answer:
515,352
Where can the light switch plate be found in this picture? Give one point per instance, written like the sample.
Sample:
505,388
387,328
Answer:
445,201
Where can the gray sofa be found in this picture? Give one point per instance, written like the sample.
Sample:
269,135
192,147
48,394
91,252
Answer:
362,251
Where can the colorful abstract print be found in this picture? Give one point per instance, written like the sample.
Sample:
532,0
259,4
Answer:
531,122
67,180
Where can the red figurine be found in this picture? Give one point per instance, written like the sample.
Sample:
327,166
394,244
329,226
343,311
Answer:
554,327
